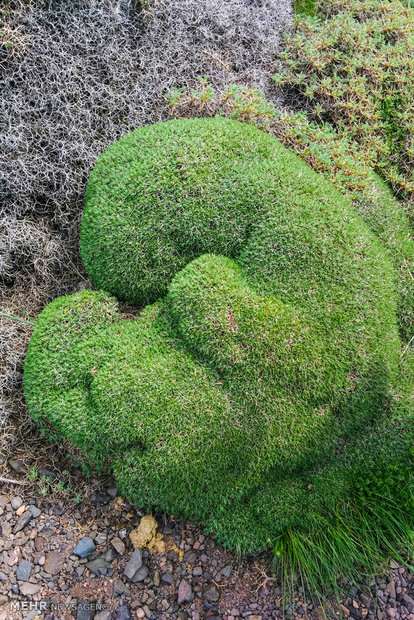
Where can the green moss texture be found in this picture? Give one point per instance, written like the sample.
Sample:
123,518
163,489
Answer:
261,383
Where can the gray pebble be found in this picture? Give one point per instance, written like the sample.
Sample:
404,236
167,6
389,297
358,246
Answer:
84,610
84,547
16,502
23,521
120,587
96,565
140,575
227,570
24,570
110,555
123,613
211,594
167,578
103,615
36,512
17,466
190,557
134,563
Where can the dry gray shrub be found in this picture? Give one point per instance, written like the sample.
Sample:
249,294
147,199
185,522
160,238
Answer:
30,247
75,76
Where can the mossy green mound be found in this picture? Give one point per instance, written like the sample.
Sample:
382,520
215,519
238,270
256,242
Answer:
261,388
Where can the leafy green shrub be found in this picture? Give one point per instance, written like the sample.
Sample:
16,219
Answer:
261,389
338,159
353,65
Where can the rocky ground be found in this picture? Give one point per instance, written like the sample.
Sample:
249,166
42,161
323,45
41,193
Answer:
65,556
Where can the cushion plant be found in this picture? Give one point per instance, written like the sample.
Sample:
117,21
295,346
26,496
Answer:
259,391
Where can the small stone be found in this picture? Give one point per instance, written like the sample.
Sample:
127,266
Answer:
96,565
190,557
6,529
84,610
184,592
39,543
157,578
84,547
113,492
345,610
20,510
212,594
366,600
24,570
197,571
14,557
390,589
103,615
47,473
123,613
120,587
36,512
16,502
227,570
409,603
110,555
29,588
118,545
100,538
140,613
53,563
23,521
134,563
140,574
394,564
17,466
99,499
167,578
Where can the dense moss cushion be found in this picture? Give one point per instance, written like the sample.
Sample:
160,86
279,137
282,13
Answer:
258,387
